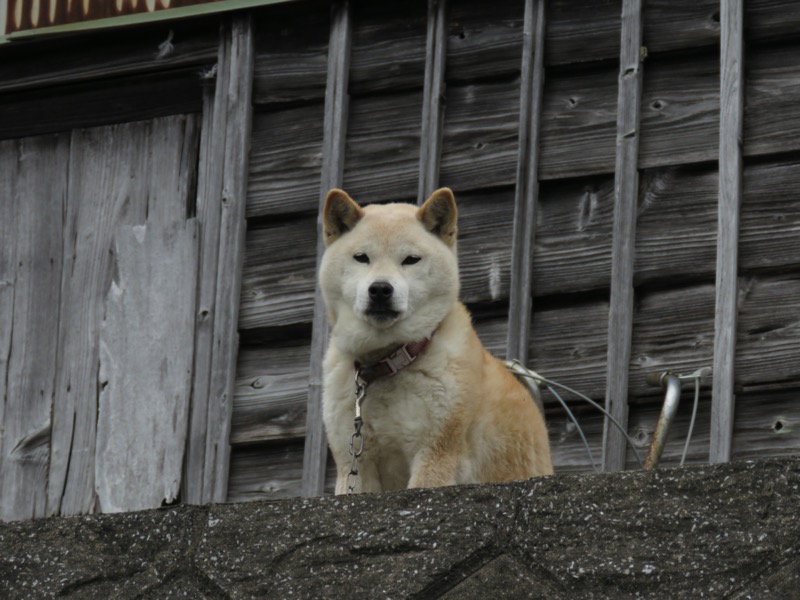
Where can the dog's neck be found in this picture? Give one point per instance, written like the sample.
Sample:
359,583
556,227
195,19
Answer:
390,363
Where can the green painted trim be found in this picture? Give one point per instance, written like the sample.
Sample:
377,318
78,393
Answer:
138,19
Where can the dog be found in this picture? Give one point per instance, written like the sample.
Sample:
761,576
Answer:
437,408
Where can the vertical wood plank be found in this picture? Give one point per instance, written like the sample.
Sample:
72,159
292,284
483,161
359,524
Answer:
209,186
433,99
29,303
8,254
107,188
146,365
221,209
233,225
730,194
315,453
626,185
172,167
526,194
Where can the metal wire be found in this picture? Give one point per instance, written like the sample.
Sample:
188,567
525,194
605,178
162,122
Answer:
694,416
577,425
549,382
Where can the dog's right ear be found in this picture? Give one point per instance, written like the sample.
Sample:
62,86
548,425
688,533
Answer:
438,214
339,215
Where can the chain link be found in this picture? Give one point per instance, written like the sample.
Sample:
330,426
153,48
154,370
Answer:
357,439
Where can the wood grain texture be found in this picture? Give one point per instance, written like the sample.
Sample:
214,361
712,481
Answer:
485,39
668,26
766,424
209,186
233,224
526,193
279,276
271,392
484,261
270,472
433,100
8,224
676,239
107,188
383,147
388,46
730,197
30,279
221,200
678,117
672,329
285,161
771,87
337,102
94,103
770,20
481,130
146,366
291,46
768,323
113,181
679,125
623,244
125,52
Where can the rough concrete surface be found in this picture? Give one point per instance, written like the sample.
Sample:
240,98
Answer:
729,531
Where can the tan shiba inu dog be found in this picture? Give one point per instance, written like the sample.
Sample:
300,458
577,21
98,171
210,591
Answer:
439,409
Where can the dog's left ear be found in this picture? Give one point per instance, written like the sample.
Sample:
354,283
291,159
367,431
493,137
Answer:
339,215
439,215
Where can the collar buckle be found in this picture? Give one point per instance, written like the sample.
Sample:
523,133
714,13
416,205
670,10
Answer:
398,360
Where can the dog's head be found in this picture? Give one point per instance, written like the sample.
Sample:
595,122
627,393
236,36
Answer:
389,271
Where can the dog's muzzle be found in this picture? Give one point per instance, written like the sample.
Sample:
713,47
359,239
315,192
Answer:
381,306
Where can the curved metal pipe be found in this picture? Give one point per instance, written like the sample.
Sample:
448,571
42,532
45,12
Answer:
523,376
673,396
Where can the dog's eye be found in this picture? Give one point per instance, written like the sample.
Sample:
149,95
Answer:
410,260
362,258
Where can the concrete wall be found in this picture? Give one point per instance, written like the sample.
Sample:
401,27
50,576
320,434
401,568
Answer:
727,531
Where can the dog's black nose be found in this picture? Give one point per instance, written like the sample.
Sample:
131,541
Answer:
380,291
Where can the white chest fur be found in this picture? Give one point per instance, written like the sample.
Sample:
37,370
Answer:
402,414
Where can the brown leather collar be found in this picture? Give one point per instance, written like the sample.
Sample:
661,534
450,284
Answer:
392,364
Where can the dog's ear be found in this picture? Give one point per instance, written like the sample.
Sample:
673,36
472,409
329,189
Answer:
439,215
339,215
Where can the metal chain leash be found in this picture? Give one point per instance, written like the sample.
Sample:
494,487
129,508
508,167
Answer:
357,439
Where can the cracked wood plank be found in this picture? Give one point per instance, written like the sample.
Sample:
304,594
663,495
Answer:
117,175
36,169
104,191
146,339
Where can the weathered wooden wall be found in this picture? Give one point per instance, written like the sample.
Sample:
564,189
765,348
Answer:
675,248
118,333
73,197
121,132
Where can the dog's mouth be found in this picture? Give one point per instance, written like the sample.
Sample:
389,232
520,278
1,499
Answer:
381,314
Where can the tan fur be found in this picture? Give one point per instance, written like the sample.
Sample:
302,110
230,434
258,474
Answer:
456,415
